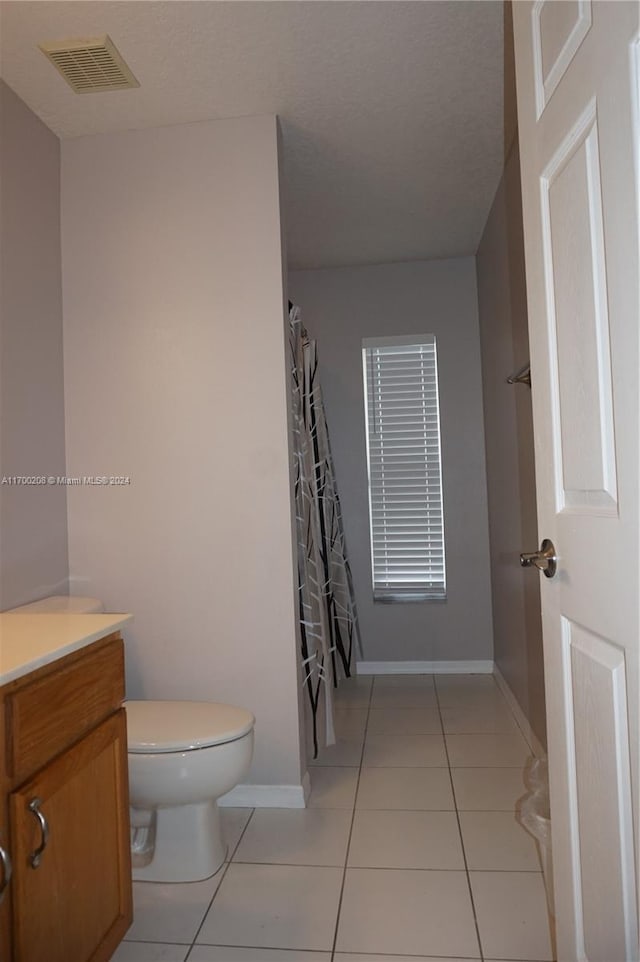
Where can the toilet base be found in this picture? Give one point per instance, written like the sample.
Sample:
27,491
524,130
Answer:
188,845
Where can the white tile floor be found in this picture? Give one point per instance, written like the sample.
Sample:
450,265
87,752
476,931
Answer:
409,848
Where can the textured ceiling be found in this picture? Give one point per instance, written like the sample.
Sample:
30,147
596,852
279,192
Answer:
392,112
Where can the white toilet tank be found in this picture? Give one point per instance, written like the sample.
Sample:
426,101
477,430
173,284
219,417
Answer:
61,604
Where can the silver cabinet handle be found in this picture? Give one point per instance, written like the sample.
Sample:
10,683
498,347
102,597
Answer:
545,559
36,857
5,861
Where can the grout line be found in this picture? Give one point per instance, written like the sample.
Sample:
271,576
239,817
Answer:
392,868
277,948
412,955
241,836
230,855
423,958
353,816
323,952
178,945
464,854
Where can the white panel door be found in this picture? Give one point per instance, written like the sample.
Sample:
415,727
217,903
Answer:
577,66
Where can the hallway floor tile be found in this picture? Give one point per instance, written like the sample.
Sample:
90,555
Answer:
409,846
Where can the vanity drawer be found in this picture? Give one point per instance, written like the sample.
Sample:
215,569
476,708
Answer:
56,707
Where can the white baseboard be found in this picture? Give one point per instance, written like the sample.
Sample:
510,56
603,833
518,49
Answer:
267,796
522,720
424,667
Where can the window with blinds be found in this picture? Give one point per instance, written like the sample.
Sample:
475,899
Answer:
405,468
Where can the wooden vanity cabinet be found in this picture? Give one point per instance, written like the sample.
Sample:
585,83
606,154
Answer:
64,760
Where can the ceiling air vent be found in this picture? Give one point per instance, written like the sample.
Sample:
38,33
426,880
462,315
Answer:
89,64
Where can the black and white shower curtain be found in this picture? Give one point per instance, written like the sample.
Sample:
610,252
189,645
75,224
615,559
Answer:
328,622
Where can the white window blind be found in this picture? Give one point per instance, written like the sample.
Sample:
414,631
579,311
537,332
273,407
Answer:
405,471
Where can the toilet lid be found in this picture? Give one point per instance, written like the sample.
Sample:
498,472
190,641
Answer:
178,726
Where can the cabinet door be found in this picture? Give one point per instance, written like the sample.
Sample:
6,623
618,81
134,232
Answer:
75,905
5,897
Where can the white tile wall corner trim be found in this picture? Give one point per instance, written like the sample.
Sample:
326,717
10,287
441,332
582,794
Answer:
522,720
266,796
424,667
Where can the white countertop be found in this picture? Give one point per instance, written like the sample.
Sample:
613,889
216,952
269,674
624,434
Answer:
29,641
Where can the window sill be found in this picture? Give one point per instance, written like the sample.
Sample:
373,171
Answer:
408,599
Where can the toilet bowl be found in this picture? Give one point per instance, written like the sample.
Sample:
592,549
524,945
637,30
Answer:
182,757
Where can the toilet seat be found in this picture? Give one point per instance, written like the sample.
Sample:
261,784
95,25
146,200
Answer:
154,727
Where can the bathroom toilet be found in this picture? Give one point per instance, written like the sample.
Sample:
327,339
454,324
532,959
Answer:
182,757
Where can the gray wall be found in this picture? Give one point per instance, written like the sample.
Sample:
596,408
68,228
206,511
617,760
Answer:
33,518
509,445
340,308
